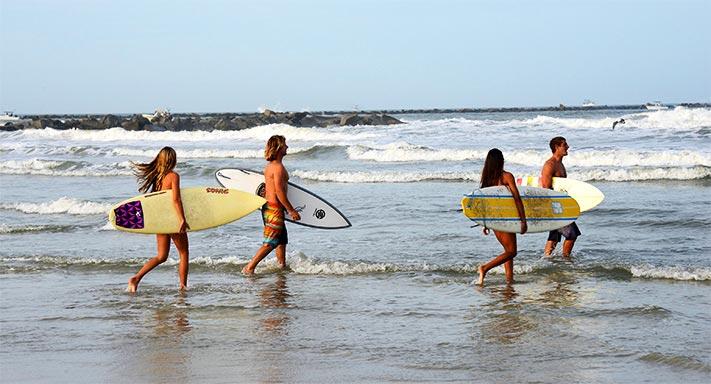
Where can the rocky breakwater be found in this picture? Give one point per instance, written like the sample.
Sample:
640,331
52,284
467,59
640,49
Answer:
198,122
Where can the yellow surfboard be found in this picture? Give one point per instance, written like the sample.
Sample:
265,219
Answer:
494,208
204,207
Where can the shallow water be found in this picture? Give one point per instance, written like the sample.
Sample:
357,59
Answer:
390,299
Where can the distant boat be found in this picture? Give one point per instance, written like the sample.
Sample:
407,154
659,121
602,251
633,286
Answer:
655,106
589,103
160,115
8,117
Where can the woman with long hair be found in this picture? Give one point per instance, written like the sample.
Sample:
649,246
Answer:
158,175
494,174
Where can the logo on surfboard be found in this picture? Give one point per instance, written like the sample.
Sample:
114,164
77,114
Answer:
261,190
320,214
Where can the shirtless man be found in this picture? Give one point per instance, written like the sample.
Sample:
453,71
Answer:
554,168
275,185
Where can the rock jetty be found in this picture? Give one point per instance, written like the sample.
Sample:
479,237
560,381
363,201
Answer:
163,121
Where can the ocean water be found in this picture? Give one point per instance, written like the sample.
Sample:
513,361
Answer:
390,299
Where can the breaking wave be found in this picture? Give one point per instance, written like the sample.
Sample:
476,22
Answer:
259,134
63,168
300,263
63,205
613,174
384,176
404,152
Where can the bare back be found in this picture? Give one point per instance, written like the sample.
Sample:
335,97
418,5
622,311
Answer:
168,181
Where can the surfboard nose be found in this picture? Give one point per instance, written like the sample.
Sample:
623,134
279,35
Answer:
129,215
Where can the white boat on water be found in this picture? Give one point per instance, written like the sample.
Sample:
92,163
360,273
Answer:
8,117
159,115
589,103
655,106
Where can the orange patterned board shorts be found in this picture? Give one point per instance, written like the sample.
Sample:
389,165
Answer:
274,227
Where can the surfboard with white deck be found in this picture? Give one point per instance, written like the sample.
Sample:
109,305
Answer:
494,208
314,211
587,195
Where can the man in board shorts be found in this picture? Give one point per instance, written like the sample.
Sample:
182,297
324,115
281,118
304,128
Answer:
275,185
554,167
275,233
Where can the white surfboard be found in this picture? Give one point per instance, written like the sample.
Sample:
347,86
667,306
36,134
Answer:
587,195
204,207
315,212
494,208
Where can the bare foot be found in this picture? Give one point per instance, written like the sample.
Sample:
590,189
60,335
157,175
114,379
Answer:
183,288
481,275
247,272
132,286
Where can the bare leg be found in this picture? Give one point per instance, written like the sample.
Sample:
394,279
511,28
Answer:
181,243
163,242
550,247
508,240
262,252
508,267
281,255
568,247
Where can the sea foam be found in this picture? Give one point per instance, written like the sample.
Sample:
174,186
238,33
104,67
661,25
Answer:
63,205
259,134
671,272
44,167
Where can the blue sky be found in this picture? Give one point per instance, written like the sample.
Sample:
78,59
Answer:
237,56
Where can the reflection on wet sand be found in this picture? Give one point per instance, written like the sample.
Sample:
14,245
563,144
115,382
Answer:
559,293
272,298
274,302
163,353
504,318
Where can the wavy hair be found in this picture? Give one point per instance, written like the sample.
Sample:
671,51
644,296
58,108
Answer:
150,175
275,144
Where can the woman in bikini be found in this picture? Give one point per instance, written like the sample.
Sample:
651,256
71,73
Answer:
158,175
494,174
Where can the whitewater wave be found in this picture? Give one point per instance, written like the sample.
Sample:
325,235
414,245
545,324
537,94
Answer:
18,229
64,168
672,273
679,118
63,205
384,176
404,152
616,174
259,134
642,174
300,263
673,120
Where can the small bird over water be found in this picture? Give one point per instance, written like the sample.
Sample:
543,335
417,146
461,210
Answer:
620,121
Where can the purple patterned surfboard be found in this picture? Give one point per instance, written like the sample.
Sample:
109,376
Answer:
130,215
